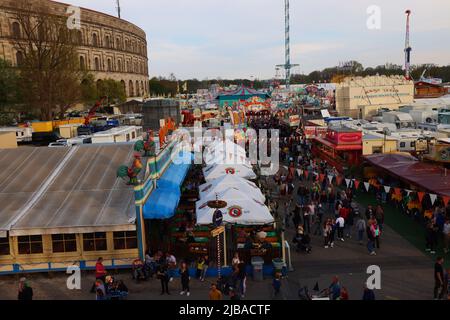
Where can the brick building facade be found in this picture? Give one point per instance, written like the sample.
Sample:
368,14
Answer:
109,47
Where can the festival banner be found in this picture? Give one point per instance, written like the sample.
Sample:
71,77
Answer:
433,198
421,195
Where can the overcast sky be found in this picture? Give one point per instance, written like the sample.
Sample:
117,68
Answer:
243,38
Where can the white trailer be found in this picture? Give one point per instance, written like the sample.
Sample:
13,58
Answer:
22,134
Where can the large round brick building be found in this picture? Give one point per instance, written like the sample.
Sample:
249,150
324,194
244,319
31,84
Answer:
110,48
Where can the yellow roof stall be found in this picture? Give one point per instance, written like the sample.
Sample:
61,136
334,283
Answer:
373,144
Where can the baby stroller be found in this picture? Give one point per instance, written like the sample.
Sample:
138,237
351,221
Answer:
226,284
303,242
115,290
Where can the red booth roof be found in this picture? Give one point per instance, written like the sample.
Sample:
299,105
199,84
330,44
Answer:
426,176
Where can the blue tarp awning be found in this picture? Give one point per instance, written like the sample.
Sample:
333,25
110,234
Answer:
174,176
162,204
164,200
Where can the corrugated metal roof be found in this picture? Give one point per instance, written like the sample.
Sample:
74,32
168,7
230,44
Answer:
48,190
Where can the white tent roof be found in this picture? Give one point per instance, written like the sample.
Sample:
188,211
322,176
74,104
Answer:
240,170
208,191
226,152
241,209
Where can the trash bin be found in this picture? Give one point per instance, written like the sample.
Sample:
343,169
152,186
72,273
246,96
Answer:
258,264
278,265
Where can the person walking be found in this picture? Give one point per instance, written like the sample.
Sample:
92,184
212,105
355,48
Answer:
327,233
242,279
370,239
236,260
287,213
25,292
200,264
297,216
276,284
100,273
184,272
379,215
431,237
334,227
205,268
307,219
361,228
340,222
171,262
163,275
376,231
446,232
349,222
439,286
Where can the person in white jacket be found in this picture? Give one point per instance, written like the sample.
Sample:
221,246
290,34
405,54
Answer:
340,222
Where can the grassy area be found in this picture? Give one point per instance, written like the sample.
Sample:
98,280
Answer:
406,227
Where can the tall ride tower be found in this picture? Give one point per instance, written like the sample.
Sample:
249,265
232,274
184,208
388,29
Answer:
287,66
408,48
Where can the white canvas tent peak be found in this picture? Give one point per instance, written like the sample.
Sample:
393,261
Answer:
218,186
240,170
239,211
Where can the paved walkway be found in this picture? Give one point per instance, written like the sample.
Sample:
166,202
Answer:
406,271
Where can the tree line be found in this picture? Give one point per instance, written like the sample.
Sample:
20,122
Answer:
161,86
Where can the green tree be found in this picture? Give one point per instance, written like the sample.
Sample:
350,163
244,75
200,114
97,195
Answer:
9,93
112,89
48,63
88,89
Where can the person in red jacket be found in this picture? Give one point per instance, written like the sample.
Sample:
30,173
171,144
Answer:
100,272
344,212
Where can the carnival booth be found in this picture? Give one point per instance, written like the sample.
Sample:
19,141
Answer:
225,152
240,170
221,184
242,209
248,222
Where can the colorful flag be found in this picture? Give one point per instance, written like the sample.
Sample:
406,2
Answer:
347,182
421,195
446,200
433,198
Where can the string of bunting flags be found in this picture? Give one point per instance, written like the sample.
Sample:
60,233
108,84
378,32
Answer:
397,193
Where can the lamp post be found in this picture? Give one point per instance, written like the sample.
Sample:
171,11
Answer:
218,222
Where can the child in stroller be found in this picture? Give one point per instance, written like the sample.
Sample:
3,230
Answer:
303,241
115,289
